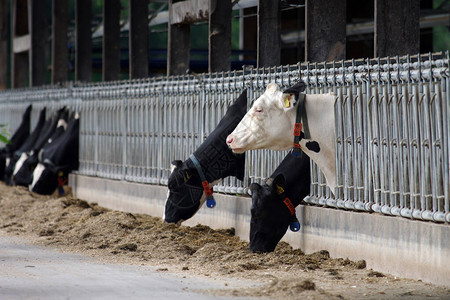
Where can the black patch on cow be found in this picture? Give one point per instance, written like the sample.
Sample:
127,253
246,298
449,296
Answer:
21,133
313,146
50,128
217,162
216,158
34,136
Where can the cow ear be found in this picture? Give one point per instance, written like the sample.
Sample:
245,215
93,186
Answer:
290,95
175,164
253,188
288,100
279,184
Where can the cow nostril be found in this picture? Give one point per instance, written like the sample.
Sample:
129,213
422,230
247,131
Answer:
229,140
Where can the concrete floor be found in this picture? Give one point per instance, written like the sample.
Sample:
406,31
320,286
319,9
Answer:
31,272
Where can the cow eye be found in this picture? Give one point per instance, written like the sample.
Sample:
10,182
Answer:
258,109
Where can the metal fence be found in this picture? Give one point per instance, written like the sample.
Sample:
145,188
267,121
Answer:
392,128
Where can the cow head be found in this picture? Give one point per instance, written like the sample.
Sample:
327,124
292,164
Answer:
185,195
270,218
269,122
45,179
23,171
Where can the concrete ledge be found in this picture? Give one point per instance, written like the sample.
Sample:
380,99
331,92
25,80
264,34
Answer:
401,247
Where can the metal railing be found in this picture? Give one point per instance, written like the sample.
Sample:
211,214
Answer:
392,128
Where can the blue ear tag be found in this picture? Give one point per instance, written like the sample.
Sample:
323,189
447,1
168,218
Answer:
61,190
294,226
210,202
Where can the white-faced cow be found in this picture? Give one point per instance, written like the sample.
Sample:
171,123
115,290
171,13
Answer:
191,181
56,160
271,121
18,138
55,126
274,203
26,146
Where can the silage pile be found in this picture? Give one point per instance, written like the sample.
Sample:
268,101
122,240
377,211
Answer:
75,225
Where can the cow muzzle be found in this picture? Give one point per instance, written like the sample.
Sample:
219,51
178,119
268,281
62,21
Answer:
232,143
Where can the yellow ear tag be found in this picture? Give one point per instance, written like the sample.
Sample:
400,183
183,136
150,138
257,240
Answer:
186,178
280,190
60,174
287,103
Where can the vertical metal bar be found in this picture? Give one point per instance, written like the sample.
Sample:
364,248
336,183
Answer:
425,144
446,140
375,142
96,130
415,153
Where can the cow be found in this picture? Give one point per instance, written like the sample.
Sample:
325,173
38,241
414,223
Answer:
26,146
273,203
18,138
53,127
190,182
56,160
270,124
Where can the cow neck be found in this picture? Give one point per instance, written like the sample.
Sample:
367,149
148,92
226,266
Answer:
301,122
210,202
296,171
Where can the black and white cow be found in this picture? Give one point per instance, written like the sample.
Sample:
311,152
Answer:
273,203
25,147
55,126
216,161
18,138
56,160
270,123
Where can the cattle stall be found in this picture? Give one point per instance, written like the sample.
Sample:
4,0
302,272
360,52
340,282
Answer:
392,128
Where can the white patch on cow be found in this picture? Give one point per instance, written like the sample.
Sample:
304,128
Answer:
19,163
8,160
62,122
269,124
172,168
77,115
40,154
36,175
165,203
